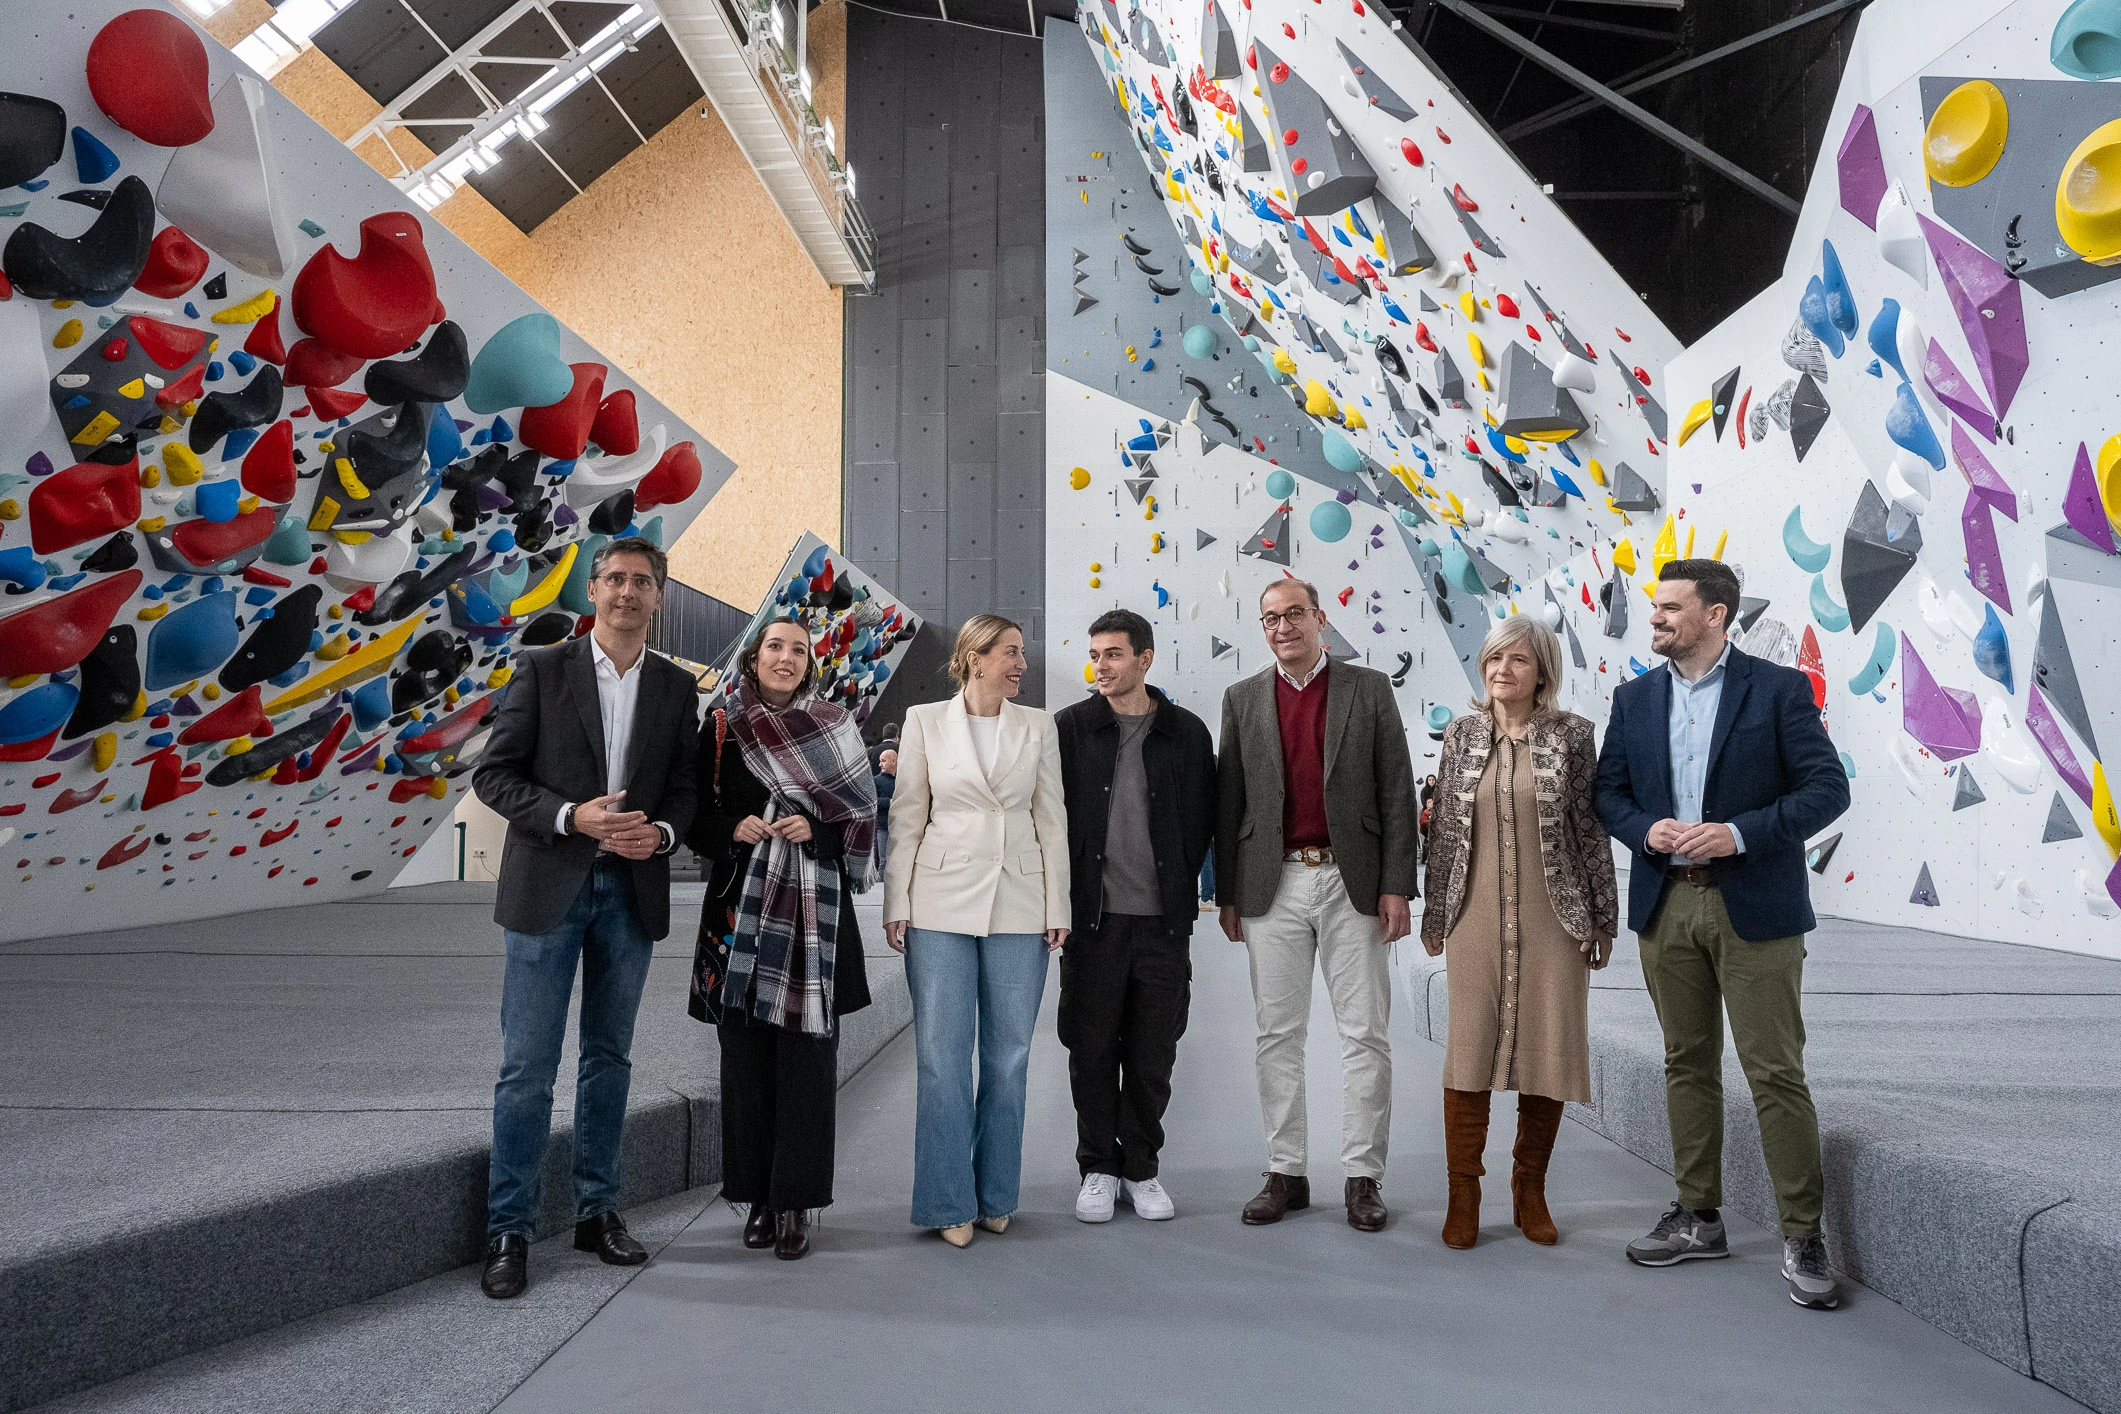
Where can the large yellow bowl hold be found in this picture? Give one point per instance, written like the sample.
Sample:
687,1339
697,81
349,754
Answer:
2088,197
1966,134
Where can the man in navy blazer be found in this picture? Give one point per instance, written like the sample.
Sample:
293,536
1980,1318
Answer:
1716,769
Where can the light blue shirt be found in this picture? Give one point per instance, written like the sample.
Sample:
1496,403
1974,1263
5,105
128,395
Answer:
1693,729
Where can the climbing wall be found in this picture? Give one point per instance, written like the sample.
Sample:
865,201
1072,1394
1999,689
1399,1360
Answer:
286,476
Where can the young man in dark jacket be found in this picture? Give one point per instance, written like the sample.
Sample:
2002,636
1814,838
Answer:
1140,777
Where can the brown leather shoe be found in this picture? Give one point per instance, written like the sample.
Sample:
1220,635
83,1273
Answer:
1284,1193
1366,1209
1465,1134
1538,1121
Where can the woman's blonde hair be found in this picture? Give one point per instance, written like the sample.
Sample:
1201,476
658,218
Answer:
1546,652
980,633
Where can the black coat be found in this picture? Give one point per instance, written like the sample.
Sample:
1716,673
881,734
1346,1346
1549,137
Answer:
547,750
1178,756
713,838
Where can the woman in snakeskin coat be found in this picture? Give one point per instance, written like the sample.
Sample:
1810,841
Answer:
1522,906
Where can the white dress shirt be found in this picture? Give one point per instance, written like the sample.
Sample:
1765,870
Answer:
986,740
1300,683
1693,730
618,699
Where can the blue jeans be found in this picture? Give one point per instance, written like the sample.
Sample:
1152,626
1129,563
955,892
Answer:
968,1154
603,930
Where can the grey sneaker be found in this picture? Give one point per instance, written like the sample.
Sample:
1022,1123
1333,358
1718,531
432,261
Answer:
1681,1234
1804,1267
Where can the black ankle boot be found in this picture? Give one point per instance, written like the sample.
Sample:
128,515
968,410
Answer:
792,1240
759,1228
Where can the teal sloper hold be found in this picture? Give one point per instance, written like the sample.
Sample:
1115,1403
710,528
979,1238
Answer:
1909,427
1280,484
1992,651
1330,521
1831,616
290,541
651,530
1458,569
1201,341
1881,660
519,367
1438,717
1340,452
1810,555
1202,285
574,594
192,641
2086,43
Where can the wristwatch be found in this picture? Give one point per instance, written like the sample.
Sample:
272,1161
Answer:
567,820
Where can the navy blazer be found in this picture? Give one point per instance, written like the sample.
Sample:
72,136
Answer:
1781,784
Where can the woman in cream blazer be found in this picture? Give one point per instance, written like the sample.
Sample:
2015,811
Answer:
976,896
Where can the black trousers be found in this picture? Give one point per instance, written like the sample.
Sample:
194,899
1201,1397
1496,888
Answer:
1126,986
779,1093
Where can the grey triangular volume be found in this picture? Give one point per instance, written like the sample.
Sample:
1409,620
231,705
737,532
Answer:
2061,825
1821,854
1080,255
1750,610
1616,605
1575,645
1337,645
1925,890
1202,540
1374,88
1631,492
1216,647
1271,541
1968,790
1080,276
1083,301
2056,672
1138,487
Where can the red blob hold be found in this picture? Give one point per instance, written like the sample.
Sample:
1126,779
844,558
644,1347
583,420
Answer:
331,404
1443,136
269,465
1299,166
33,751
674,479
1251,54
165,782
561,430
1534,332
57,634
617,428
175,262
312,363
1423,338
1279,73
1642,375
1288,137
412,789
1288,29
241,715
116,350
1465,203
264,341
205,542
84,502
377,304
171,346
147,72
188,389
1505,306
125,851
1408,150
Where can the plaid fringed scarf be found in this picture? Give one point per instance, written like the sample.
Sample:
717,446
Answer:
810,758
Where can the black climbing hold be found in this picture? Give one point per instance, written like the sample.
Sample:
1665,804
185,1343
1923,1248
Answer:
278,643
1388,358
410,591
434,375
254,405
117,553
271,751
94,197
613,514
115,452
217,287
548,628
110,681
434,661
95,267
533,527
379,457
32,137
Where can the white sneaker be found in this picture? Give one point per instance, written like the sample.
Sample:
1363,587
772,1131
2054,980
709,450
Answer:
1094,1203
1149,1200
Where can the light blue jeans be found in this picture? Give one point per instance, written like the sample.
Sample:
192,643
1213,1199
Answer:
968,1153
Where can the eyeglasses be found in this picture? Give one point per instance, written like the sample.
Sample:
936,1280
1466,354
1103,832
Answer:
618,579
1294,618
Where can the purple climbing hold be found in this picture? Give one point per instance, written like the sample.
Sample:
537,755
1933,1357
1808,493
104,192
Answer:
1986,482
1984,557
1952,389
2040,721
1946,720
1861,167
1990,308
2081,505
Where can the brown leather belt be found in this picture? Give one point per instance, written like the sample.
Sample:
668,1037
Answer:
1311,854
1692,874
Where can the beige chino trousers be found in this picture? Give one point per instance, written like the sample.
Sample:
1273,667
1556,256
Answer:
1313,927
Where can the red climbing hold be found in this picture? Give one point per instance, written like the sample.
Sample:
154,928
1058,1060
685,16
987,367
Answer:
269,465
1423,338
31,750
175,262
331,404
380,302
264,341
1534,332
675,478
617,428
1408,150
84,502
1464,202
258,575
72,799
273,837
561,429
188,389
147,72
206,542
1505,306
125,851
404,790
314,363
1279,73
116,350
57,634
165,781
241,715
171,346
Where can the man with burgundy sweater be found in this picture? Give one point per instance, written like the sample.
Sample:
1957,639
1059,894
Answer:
1315,859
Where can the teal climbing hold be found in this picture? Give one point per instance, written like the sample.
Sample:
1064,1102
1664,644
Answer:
1439,717
651,531
519,367
192,641
1280,484
1883,651
1330,521
1831,616
290,541
574,594
1810,555
1202,285
506,586
2086,43
1201,341
1340,452
1459,569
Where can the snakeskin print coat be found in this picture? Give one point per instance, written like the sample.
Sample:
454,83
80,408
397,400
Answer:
1574,852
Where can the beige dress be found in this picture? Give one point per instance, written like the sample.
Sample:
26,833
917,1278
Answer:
1520,985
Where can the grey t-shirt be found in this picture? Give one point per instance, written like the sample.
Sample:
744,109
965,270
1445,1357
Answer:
1130,856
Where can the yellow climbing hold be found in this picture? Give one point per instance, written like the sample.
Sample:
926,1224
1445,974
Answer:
23,679
500,676
212,691
334,648
1467,305
1349,417
1317,401
327,511
1156,542
1095,582
237,747
1475,347
139,708
136,388
150,476
1148,508
1516,444
2088,197
2109,477
1282,362
10,509
2103,818
375,656
1721,537
1662,552
1597,470
1096,568
246,504
1079,478
356,489
105,750
69,334
1624,557
1695,416
250,311
150,612
1090,669
547,589
184,465
1966,134
99,427
1688,553
1130,353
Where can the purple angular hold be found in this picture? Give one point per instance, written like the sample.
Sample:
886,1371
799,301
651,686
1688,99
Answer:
2040,720
1861,167
1988,485
1984,558
1946,720
1952,389
2081,505
1990,308
2113,882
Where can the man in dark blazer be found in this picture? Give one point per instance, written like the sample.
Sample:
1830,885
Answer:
1315,847
1138,771
591,763
1716,769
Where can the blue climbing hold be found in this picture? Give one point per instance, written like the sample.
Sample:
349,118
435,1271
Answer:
217,500
21,567
519,367
445,440
1812,309
1884,336
1840,299
1909,427
371,704
192,641
1992,651
37,713
93,161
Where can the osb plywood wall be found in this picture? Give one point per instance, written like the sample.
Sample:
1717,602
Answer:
655,263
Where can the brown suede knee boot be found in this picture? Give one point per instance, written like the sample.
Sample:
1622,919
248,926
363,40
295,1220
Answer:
1538,1121
1465,1135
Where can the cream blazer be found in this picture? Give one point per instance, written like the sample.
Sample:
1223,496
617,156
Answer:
970,854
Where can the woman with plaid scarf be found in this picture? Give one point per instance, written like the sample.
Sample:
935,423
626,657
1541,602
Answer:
787,821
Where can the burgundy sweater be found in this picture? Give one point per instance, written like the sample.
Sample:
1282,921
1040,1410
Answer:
1303,761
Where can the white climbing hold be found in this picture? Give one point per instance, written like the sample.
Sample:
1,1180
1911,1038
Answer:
1900,235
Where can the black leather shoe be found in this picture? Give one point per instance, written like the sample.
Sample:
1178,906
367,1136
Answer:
759,1228
1366,1209
1284,1193
605,1234
792,1239
507,1271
